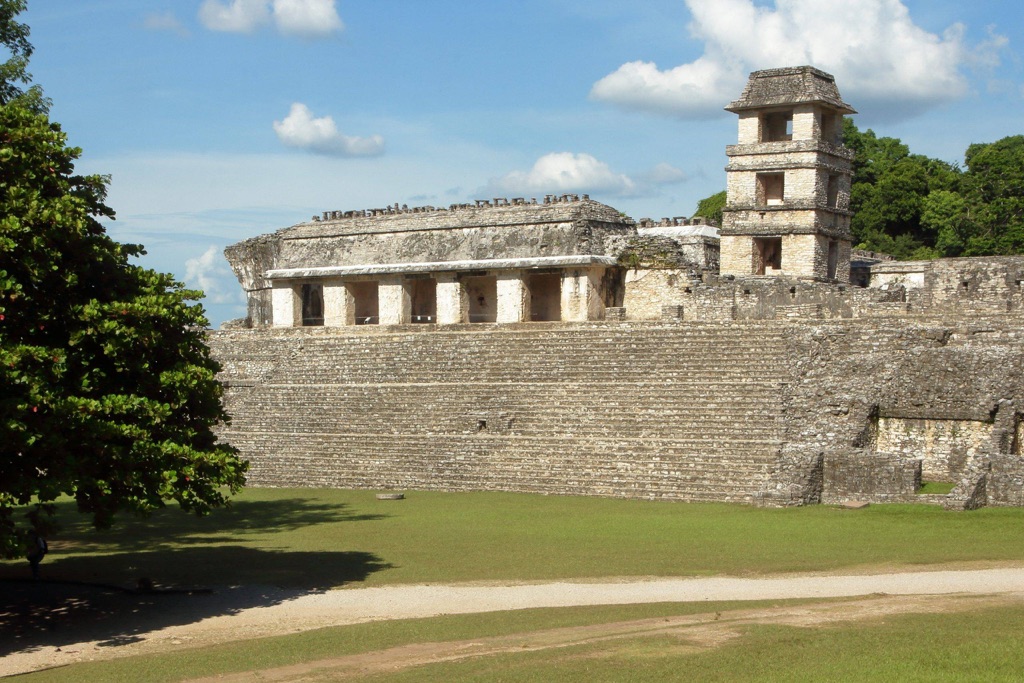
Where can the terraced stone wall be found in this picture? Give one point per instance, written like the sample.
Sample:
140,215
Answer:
776,412
653,411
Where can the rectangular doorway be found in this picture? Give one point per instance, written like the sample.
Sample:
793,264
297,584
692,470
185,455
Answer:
482,292
312,305
545,296
833,259
364,297
423,292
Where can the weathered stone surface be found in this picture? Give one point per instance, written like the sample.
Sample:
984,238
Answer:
666,364
741,411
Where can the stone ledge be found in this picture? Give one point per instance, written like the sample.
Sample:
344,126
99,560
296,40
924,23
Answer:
443,266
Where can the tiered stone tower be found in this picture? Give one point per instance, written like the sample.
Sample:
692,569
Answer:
787,212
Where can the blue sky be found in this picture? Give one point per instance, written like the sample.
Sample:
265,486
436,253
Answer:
220,120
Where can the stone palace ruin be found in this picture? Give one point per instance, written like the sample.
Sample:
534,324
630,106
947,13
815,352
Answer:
558,346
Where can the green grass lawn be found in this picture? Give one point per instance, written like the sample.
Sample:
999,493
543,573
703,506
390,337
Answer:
330,538
986,644
936,487
325,539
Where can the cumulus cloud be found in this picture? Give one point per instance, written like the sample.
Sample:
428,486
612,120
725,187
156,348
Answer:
211,274
882,61
307,18
564,172
300,18
238,16
665,174
320,135
164,21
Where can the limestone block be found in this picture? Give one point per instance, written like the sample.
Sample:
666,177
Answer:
339,305
806,122
945,447
649,291
513,297
801,256
286,305
737,255
581,295
452,303
749,128
394,300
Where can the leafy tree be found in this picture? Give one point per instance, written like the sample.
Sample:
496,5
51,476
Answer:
109,394
993,186
947,215
711,207
888,196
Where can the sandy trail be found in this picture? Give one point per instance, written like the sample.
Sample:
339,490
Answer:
284,611
691,633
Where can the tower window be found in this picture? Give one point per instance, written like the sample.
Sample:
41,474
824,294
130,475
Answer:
832,128
771,189
777,126
833,259
767,255
832,191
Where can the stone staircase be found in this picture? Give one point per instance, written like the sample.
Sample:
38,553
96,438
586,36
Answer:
675,411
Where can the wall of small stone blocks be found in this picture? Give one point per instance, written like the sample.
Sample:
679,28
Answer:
984,285
767,414
858,372
648,291
655,410
944,447
872,477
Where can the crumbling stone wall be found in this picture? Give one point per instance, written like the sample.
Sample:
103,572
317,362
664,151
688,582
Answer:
401,237
857,374
780,414
975,285
637,410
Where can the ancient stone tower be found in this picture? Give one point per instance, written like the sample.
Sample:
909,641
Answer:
787,212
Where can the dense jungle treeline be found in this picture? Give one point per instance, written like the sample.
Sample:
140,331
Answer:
916,207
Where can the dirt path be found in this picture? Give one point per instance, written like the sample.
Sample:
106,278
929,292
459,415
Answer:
238,614
694,633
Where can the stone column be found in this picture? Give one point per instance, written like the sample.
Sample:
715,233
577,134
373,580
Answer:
394,301
339,305
452,304
581,294
513,297
287,308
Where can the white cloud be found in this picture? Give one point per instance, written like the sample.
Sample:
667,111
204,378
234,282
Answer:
307,18
882,61
564,172
240,16
301,18
164,21
665,174
211,274
320,135
695,90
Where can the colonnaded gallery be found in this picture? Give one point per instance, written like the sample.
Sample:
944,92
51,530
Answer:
558,346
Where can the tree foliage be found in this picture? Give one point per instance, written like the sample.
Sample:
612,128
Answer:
109,391
890,186
992,188
711,207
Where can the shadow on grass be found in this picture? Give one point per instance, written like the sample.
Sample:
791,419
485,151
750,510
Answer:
88,590
60,611
171,527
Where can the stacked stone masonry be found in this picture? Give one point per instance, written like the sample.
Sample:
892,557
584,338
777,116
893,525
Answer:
599,410
786,414
558,346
